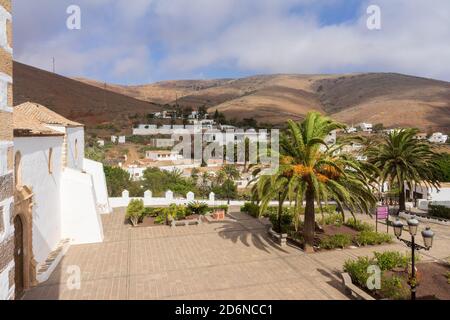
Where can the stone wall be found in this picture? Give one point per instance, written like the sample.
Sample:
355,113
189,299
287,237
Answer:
6,154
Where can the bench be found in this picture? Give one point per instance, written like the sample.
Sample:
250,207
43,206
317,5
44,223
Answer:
353,290
186,222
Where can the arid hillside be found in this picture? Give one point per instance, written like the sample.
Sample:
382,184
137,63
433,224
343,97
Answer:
76,100
395,100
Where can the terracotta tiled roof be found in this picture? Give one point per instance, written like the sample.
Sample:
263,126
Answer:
44,115
27,126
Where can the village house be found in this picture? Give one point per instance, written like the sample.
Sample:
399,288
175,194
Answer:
438,137
365,127
59,194
163,155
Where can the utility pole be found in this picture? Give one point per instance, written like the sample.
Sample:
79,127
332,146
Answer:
53,64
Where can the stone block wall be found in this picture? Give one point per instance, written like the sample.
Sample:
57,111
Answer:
6,154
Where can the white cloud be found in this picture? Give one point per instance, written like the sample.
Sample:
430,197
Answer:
261,36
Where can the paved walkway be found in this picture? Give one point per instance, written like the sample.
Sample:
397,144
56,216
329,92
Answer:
226,260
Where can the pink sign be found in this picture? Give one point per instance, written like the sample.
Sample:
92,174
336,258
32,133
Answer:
382,212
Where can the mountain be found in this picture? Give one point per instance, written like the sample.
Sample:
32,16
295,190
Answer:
75,100
395,100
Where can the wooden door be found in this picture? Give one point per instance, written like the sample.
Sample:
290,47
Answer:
18,256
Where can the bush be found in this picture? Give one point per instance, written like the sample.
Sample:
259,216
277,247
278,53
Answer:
197,207
251,208
332,219
175,212
365,238
135,211
394,288
357,269
359,225
391,259
439,211
152,212
286,222
336,241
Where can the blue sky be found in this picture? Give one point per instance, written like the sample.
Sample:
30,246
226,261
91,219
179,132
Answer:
143,41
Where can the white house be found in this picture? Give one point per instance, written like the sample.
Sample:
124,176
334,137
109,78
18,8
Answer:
163,155
438,137
365,127
136,173
351,129
424,195
122,139
61,194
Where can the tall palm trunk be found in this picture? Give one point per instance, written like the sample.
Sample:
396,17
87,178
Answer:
309,225
402,198
280,211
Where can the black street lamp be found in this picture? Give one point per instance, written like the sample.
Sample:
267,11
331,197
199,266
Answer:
427,236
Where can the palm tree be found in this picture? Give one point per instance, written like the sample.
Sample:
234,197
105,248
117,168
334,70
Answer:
311,171
401,159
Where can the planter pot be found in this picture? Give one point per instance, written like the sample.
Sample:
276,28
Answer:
219,214
280,239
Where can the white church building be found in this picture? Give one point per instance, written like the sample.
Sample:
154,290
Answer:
59,194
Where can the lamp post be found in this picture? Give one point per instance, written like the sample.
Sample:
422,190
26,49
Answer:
427,236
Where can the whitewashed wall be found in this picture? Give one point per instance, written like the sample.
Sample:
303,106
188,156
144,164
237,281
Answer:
81,220
120,202
73,135
45,186
95,169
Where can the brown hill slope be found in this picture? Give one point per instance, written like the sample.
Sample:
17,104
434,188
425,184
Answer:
75,100
392,99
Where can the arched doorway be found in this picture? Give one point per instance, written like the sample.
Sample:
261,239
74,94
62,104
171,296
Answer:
19,256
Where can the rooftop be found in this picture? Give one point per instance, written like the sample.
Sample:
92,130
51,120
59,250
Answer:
44,115
27,126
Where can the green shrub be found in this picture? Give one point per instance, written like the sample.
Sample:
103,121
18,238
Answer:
365,238
331,208
389,260
439,211
332,219
358,225
197,207
286,210
251,209
135,211
357,269
286,222
152,212
394,287
161,218
175,212
336,241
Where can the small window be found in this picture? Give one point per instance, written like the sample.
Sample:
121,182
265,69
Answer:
50,160
76,149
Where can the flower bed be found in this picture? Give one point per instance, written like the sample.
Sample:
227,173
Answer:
431,277
139,216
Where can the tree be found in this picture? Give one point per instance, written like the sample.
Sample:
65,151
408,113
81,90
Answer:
135,210
401,159
443,167
378,127
159,181
230,172
226,190
117,180
317,172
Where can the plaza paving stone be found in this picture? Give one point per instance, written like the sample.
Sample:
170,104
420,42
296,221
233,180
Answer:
232,259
